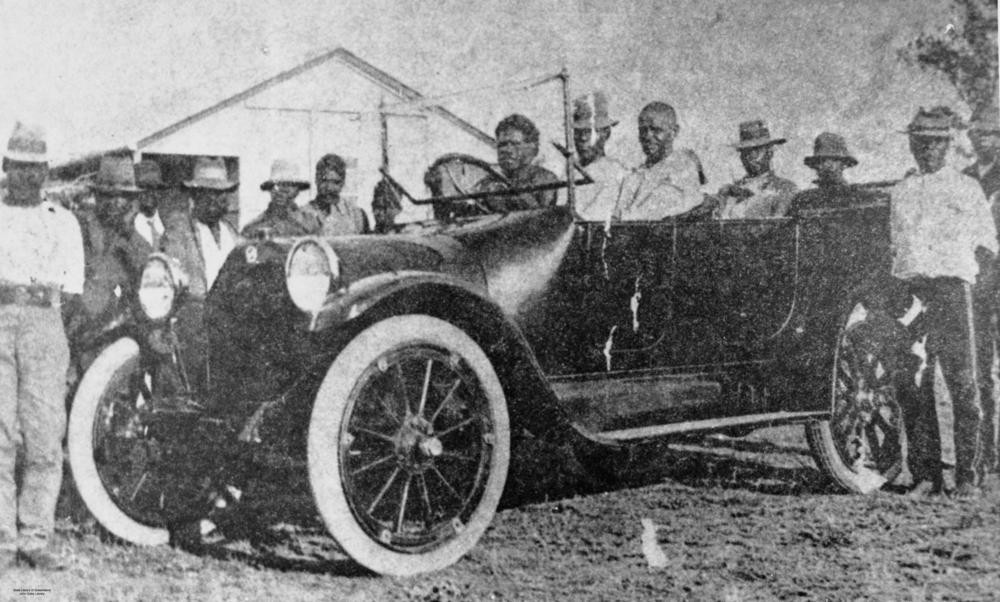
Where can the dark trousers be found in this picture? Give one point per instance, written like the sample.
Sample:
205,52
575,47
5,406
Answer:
948,326
986,309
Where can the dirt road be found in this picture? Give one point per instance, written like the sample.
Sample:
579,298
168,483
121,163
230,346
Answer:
715,519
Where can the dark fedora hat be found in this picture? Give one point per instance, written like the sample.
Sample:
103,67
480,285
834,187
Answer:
830,146
116,175
755,133
148,175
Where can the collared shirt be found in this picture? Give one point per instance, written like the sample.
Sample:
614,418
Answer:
770,197
596,202
214,253
937,222
670,187
532,175
344,218
41,244
149,228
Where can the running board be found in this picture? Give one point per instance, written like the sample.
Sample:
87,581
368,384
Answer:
660,430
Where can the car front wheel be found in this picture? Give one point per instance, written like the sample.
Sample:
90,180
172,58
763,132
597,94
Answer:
860,446
408,445
114,461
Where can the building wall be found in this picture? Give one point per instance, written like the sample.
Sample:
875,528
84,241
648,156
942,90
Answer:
330,108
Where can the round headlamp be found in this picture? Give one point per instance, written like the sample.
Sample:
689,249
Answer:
160,284
311,271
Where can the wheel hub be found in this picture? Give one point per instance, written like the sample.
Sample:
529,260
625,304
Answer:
416,445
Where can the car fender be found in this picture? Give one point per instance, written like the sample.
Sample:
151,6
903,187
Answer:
532,404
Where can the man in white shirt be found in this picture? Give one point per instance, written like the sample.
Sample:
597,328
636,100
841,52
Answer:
942,232
41,269
200,241
668,183
591,131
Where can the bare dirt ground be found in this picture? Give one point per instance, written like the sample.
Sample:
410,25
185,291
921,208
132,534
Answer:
728,519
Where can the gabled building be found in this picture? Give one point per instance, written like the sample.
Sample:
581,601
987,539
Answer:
330,103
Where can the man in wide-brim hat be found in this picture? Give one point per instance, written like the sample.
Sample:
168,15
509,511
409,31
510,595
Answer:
761,193
41,263
830,159
114,252
592,125
942,232
282,217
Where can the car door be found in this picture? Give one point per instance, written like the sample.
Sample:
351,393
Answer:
734,288
610,300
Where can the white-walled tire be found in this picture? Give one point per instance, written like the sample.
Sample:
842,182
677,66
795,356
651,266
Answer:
409,445
100,414
861,446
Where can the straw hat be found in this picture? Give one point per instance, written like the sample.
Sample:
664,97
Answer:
27,144
755,133
591,111
284,172
931,123
830,146
116,175
210,173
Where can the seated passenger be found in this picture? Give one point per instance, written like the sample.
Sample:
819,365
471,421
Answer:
517,148
830,158
386,205
667,184
591,131
761,193
282,216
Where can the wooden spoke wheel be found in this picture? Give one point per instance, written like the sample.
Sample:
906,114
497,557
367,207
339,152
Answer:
861,445
409,445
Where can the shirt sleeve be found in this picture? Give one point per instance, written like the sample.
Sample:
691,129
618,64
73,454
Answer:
71,255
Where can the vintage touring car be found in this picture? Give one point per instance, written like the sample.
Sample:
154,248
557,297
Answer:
393,369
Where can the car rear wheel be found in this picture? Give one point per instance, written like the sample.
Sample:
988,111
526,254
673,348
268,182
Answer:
408,445
112,458
860,447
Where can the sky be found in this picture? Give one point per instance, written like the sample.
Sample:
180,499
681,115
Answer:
104,73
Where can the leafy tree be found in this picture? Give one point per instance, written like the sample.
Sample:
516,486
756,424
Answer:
965,51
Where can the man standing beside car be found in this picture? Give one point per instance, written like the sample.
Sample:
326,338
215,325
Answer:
337,216
200,240
591,131
941,233
668,182
115,253
984,134
282,216
41,271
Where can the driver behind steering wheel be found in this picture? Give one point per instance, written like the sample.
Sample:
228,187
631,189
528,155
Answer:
517,149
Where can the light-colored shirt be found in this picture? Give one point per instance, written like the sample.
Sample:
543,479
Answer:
937,221
150,228
770,197
667,188
213,253
345,218
41,244
596,202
